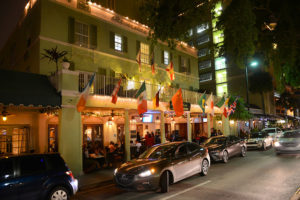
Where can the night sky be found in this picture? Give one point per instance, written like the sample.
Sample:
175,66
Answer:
10,12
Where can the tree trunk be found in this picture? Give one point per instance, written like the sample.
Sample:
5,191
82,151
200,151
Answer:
263,102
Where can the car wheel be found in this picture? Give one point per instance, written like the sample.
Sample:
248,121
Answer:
204,167
243,152
59,193
164,182
225,157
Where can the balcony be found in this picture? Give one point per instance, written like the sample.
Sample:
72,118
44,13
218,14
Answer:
104,86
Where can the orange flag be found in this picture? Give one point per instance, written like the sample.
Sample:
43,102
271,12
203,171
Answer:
178,103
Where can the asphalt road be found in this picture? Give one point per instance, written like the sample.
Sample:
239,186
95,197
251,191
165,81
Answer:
260,175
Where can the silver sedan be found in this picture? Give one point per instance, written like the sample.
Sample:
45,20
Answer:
289,142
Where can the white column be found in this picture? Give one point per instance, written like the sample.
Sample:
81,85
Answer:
225,124
127,136
162,127
189,128
208,125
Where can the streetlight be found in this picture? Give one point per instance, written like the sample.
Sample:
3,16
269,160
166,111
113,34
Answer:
252,64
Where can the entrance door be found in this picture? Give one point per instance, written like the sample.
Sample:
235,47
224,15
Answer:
139,128
182,127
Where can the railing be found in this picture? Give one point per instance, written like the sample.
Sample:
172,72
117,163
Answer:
104,85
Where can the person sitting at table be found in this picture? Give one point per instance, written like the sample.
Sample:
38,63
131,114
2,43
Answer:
89,164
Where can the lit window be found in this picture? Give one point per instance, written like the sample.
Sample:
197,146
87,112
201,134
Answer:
220,63
81,34
218,36
166,57
118,42
202,28
203,39
204,64
191,32
218,10
221,89
221,76
205,77
145,53
203,52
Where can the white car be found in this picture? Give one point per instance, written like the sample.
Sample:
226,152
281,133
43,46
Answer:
274,132
260,140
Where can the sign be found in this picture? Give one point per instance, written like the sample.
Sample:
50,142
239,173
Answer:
186,106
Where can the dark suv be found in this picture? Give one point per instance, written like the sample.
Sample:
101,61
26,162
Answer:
36,176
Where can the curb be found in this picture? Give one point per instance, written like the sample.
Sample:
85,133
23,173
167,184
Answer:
95,185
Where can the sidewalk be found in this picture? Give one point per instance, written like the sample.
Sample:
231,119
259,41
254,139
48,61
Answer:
95,179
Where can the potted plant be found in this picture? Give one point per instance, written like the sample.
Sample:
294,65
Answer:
65,63
53,55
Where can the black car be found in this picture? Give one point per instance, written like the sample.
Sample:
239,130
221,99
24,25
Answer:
221,148
38,176
162,165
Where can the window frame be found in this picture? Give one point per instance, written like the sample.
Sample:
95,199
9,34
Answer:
116,43
145,53
81,34
209,79
166,58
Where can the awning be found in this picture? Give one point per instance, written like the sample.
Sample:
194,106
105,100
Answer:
20,88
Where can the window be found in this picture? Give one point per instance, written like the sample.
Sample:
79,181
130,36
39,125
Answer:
218,36
204,64
32,164
190,32
181,151
203,39
203,52
221,76
144,53
81,34
193,147
202,28
221,89
6,169
205,77
220,63
184,65
166,57
118,42
13,140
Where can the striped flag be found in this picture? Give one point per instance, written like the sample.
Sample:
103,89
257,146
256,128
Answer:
210,103
170,70
156,100
201,102
225,106
152,63
232,108
84,95
141,96
115,92
138,60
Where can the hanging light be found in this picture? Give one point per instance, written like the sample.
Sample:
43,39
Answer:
4,118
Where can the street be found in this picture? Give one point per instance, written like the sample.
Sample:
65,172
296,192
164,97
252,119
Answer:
260,175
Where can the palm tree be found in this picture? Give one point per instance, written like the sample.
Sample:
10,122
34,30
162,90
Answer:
53,55
261,82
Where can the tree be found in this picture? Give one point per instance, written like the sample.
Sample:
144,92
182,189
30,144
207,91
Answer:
171,20
241,113
53,55
261,82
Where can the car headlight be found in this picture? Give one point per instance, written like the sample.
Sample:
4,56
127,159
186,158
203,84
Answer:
116,170
147,173
276,144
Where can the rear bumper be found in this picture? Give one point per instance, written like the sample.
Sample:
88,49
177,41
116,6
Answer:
74,184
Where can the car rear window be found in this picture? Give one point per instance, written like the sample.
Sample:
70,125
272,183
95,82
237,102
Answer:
55,162
32,165
6,169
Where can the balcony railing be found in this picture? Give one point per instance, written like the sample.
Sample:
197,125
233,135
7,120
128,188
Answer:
104,85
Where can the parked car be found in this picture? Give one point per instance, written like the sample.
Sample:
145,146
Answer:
162,165
221,148
260,140
274,132
38,176
289,142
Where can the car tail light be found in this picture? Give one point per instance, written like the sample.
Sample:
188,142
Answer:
69,173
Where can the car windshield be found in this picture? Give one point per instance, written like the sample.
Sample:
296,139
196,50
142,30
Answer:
218,140
270,130
259,135
158,151
292,134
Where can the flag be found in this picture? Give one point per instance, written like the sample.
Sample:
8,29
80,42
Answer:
221,102
115,92
177,103
201,102
156,100
170,70
84,95
142,99
138,60
210,103
224,107
232,108
152,63
225,110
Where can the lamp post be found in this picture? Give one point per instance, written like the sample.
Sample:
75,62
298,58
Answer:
252,64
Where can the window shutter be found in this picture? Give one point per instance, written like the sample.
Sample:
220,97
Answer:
179,63
162,56
189,66
171,57
138,45
93,36
111,40
125,44
71,30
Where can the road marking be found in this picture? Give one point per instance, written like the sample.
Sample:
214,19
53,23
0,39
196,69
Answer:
179,193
